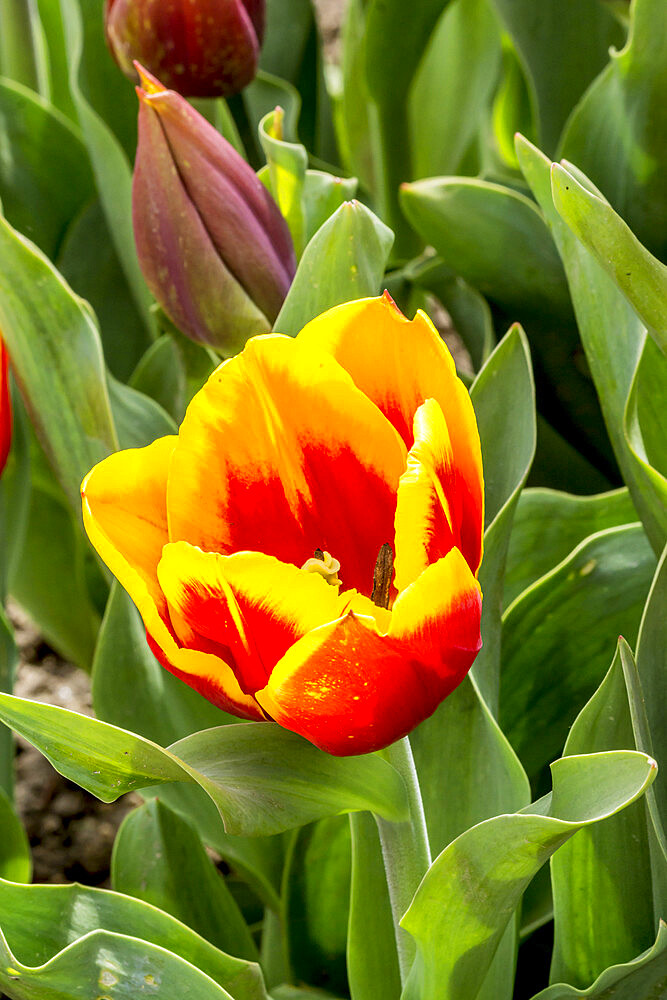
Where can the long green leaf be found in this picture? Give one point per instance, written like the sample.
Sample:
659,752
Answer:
556,638
262,778
617,921
57,361
508,445
483,873
15,860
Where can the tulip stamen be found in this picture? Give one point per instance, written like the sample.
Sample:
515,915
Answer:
324,564
382,576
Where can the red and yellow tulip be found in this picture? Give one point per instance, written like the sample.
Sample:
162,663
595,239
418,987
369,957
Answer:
5,407
306,549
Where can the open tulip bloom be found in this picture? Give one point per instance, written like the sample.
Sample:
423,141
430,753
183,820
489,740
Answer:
306,549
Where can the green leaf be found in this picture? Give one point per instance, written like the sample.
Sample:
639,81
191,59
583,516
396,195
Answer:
100,94
262,778
354,115
494,237
508,445
453,86
636,272
50,580
88,261
548,525
164,709
15,860
562,45
556,638
645,976
287,163
458,789
372,962
617,133
158,856
22,45
57,361
50,16
45,177
316,897
345,260
161,375
483,873
139,419
72,939
14,494
613,339
617,921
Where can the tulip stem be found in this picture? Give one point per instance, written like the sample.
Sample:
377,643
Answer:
405,849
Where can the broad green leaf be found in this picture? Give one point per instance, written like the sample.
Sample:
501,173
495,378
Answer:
556,638
508,445
100,93
645,427
355,116
617,921
164,709
88,261
462,789
57,361
50,580
262,778
453,86
613,339
15,860
45,177
14,495
287,163
22,45
548,525
483,873
345,260
562,45
617,133
323,193
272,780
494,237
288,25
513,111
139,420
159,857
161,375
9,658
41,922
316,897
645,977
372,963
636,272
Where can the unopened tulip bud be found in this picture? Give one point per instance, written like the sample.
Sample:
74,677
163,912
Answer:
201,48
214,249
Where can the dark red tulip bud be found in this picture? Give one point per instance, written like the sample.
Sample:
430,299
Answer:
201,48
213,247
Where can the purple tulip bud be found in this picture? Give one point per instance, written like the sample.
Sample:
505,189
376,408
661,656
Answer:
213,247
201,48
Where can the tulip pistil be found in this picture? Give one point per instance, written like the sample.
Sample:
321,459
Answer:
382,576
324,564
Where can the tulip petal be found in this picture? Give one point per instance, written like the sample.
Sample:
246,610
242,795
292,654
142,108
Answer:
430,509
248,608
350,689
125,516
316,464
399,364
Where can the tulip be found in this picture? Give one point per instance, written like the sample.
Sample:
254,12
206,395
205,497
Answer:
306,549
201,48
213,247
5,407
